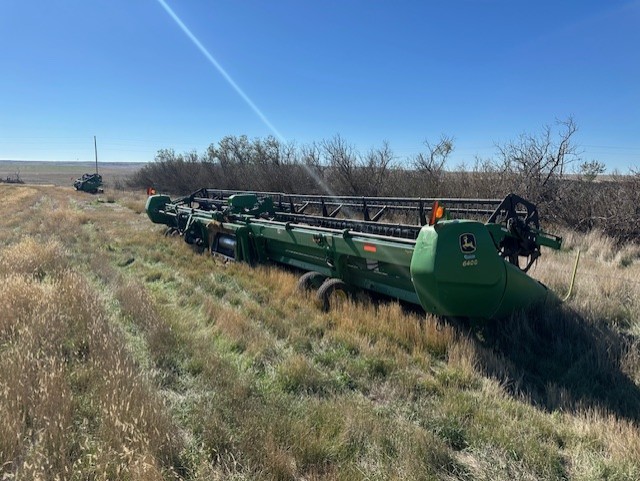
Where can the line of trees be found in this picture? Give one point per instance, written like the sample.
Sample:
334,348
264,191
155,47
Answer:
545,167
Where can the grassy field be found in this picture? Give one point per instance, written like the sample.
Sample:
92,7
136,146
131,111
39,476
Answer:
64,173
125,355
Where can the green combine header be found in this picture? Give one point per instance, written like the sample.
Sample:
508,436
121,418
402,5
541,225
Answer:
452,257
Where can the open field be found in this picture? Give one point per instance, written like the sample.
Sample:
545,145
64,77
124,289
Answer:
126,355
64,173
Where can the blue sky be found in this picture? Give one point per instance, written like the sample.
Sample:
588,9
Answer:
481,71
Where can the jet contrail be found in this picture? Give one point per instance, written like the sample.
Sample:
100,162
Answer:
222,71
240,92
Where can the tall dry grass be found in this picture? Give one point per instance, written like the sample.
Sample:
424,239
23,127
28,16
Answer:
73,402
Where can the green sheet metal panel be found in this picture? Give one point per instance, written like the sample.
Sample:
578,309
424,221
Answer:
375,264
155,204
458,272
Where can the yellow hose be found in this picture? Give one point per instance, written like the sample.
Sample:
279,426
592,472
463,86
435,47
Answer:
573,278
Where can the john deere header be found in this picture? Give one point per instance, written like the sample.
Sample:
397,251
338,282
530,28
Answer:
453,257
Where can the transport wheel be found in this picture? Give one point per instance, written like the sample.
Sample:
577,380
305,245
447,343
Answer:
332,293
310,281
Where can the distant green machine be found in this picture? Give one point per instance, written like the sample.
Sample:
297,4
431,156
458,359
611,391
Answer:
91,183
462,268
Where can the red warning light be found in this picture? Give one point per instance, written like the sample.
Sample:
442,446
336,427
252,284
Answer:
370,248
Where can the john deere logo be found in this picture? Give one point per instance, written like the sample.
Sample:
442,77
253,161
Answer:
467,243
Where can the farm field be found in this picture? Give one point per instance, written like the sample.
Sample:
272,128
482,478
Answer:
64,173
126,355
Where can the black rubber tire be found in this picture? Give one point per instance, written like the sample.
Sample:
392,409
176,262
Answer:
329,289
310,281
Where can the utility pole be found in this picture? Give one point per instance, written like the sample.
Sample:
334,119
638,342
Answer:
95,147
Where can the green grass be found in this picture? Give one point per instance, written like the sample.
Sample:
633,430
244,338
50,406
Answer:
226,372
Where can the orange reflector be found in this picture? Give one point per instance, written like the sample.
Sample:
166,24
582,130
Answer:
437,213
370,248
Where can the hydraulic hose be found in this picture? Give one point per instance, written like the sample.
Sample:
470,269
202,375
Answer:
573,278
